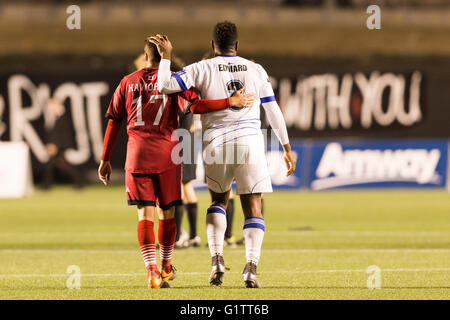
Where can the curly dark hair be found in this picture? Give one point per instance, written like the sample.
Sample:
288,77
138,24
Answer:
225,35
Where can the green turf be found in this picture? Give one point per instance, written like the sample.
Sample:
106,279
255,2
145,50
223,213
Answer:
316,246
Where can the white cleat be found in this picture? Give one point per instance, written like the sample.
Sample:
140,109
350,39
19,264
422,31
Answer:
182,241
195,242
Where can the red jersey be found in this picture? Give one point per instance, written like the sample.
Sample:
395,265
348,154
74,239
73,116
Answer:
151,119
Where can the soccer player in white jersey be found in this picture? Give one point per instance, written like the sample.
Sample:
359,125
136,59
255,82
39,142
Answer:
234,133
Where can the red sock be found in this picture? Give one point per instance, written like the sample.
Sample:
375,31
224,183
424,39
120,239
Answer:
167,231
147,244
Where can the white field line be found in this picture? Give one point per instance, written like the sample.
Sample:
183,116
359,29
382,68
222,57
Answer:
291,232
362,233
207,273
230,250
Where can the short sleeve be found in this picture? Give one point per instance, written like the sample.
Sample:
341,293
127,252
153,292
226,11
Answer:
186,98
189,77
189,95
116,110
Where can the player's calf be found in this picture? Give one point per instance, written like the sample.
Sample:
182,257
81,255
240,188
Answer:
166,236
254,228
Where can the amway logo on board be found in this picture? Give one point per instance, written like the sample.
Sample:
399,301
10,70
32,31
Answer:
340,168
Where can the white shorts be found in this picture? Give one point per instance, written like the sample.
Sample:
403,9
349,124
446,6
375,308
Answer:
243,162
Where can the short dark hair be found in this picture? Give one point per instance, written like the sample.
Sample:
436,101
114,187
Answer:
225,35
152,51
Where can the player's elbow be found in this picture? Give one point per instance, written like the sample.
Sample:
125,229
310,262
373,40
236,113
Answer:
164,90
163,87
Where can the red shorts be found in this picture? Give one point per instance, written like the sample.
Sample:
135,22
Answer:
162,189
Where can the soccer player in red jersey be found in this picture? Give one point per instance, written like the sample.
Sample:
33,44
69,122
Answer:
151,176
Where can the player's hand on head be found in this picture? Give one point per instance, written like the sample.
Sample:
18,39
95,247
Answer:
242,100
163,45
290,160
104,172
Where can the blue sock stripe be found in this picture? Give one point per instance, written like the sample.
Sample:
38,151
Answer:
216,209
254,218
220,207
255,225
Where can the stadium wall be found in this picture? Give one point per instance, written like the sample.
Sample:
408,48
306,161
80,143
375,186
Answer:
383,98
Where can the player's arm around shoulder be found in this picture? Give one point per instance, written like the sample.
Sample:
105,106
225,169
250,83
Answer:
166,83
201,106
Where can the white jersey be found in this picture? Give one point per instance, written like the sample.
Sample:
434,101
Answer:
238,128
219,78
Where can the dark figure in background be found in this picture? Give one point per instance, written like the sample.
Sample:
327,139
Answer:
183,239
189,196
58,139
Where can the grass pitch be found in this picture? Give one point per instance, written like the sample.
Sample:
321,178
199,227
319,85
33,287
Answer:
316,246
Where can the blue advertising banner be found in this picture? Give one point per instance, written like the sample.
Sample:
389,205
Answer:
379,164
364,163
277,168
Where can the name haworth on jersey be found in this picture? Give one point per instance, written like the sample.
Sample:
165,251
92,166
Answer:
232,67
143,86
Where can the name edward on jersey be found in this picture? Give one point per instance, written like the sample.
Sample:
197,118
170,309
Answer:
232,67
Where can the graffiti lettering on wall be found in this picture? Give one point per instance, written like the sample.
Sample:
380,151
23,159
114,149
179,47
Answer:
326,102
86,118
317,102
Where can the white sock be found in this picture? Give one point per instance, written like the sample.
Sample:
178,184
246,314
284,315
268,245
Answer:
216,224
254,228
